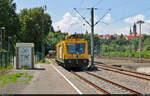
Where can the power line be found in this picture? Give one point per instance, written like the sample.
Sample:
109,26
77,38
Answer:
92,25
99,2
82,16
102,18
122,4
129,16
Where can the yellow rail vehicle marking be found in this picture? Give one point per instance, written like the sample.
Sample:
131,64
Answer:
66,49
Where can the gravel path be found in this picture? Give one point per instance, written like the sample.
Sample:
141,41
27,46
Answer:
138,85
104,85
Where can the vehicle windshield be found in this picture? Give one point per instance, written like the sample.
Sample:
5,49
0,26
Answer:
76,48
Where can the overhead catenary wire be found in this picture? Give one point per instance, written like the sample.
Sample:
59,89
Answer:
82,16
117,20
99,2
102,18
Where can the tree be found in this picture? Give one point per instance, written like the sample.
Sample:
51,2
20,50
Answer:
33,22
52,39
9,19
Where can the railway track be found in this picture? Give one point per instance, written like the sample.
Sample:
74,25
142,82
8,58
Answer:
118,85
105,80
120,72
120,69
90,83
110,83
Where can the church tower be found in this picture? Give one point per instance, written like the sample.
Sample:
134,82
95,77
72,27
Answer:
130,31
134,29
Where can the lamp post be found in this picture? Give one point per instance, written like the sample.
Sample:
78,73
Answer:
140,22
1,36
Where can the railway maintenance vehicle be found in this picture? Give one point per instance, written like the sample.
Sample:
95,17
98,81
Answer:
72,53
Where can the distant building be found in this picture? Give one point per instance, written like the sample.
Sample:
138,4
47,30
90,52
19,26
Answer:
133,34
101,36
107,36
130,31
134,29
116,36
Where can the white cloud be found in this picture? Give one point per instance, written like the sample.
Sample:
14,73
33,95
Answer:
66,23
145,26
107,18
73,24
131,20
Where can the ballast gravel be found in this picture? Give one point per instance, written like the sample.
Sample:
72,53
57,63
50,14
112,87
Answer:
130,82
103,84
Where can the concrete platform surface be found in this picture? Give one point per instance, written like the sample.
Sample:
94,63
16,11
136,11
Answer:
48,81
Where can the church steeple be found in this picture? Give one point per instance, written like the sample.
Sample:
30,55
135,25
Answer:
134,29
130,31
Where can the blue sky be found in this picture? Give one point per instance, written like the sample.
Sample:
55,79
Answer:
121,9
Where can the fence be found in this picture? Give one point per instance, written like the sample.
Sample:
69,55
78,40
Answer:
38,56
6,59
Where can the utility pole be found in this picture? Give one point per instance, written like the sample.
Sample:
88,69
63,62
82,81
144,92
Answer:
92,66
140,22
92,24
43,47
2,29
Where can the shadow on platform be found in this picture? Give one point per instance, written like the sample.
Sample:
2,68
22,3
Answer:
38,69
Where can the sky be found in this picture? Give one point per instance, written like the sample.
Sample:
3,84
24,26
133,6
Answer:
118,20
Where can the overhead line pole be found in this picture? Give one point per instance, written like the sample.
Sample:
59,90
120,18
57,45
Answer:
140,57
92,66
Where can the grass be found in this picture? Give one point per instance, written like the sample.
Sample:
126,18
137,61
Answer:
44,60
13,78
5,70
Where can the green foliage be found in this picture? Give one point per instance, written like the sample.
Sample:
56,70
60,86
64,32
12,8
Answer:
120,47
24,67
12,78
52,39
27,26
35,26
10,20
